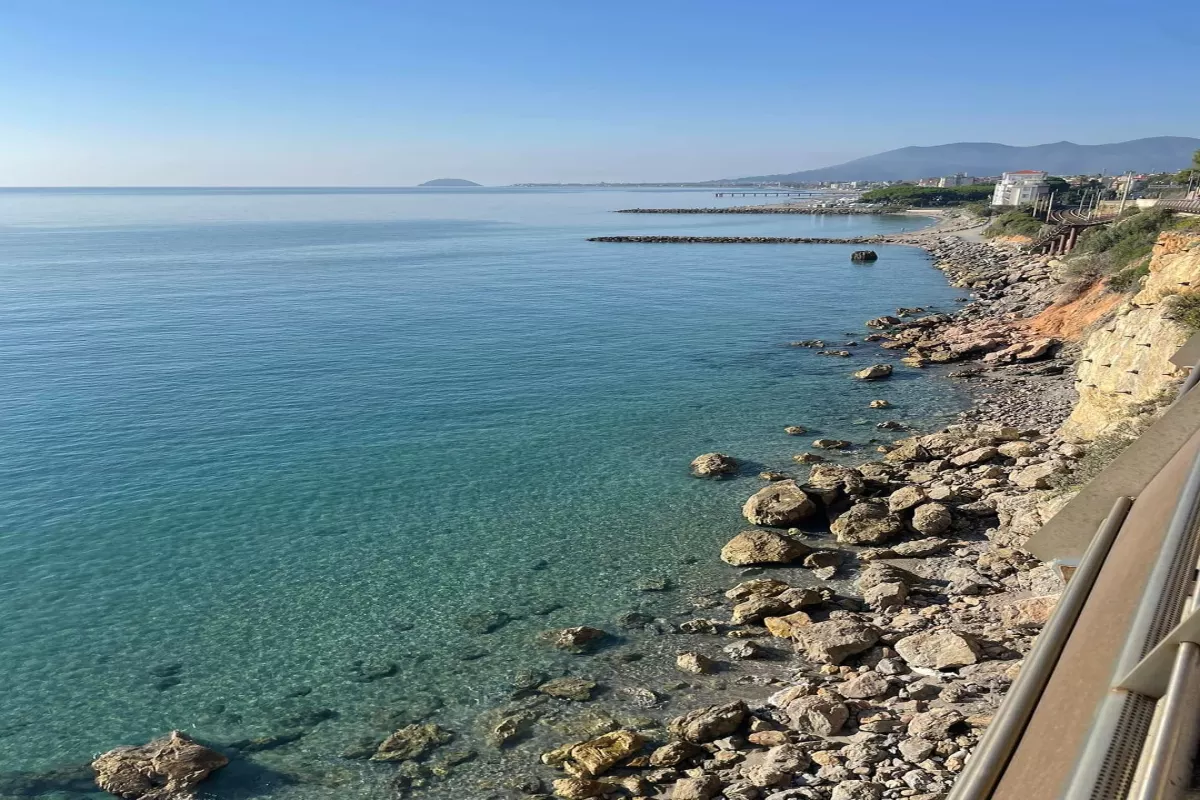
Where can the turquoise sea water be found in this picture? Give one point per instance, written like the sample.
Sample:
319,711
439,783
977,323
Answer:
263,452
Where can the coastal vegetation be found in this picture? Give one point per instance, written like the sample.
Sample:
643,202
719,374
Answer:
1018,222
1185,309
928,196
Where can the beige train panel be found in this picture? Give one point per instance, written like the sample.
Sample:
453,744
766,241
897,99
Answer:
1054,738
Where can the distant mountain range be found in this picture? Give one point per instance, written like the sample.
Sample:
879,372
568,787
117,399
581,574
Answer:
1156,154
450,182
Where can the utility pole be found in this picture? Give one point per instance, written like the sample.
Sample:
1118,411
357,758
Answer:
1049,206
1125,194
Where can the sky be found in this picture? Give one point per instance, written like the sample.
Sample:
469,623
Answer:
393,93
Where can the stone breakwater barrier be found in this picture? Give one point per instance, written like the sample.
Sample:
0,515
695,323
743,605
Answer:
756,210
738,239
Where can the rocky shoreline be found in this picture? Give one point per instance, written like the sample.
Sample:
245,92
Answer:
740,239
891,684
879,611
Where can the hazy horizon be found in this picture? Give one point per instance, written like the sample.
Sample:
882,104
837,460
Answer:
317,94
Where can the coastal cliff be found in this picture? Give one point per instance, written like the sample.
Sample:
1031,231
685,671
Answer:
1125,363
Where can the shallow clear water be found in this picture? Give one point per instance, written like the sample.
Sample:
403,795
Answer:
252,438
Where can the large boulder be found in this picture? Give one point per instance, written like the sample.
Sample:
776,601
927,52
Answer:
932,518
817,715
940,648
867,523
863,256
874,372
832,641
713,465
782,504
758,546
833,483
168,768
709,723
906,497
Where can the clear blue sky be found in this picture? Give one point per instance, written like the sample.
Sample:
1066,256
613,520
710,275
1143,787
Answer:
389,92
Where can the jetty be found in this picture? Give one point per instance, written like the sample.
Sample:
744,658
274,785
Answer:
739,239
818,210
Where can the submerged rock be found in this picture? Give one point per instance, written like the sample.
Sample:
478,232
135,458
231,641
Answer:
412,742
576,689
573,640
604,752
168,768
863,256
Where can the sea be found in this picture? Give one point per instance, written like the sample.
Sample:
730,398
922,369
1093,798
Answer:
287,469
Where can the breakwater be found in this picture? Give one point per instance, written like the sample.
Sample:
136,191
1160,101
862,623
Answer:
817,210
739,239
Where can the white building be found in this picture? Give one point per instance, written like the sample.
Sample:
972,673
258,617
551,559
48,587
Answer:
1021,188
960,179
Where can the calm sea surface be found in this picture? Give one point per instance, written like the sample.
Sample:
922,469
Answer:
268,456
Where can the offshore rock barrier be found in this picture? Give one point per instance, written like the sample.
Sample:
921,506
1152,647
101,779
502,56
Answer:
739,239
817,210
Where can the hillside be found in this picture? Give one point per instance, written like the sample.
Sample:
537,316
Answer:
450,182
1160,153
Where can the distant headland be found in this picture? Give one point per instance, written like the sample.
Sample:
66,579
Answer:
450,182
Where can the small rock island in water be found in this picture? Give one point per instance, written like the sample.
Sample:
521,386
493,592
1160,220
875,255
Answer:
449,182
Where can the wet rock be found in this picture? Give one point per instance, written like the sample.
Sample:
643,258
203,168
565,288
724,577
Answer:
743,651
832,641
759,546
694,663
795,430
713,465
768,587
782,504
168,768
863,256
604,752
808,458
880,404
573,640
412,742
709,723
484,621
787,626
867,523
940,648
772,476
874,372
638,696
879,323
502,727
754,609
830,444
576,689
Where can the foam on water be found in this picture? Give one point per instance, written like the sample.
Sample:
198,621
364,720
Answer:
261,446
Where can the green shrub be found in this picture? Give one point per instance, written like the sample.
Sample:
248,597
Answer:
1129,239
1184,309
1130,278
1019,222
